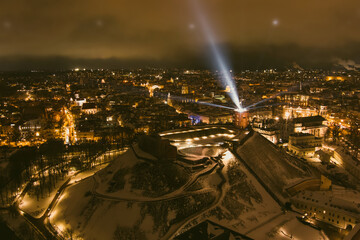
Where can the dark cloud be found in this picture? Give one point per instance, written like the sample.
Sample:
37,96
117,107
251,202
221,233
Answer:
167,30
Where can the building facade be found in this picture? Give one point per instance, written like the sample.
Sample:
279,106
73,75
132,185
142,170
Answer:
304,144
326,207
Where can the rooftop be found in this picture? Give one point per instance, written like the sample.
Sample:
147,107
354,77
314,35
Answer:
88,106
210,230
300,134
341,200
317,118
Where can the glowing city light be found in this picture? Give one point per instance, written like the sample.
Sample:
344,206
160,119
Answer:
252,106
180,98
240,110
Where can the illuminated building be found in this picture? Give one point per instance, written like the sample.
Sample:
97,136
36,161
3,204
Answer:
304,144
152,88
329,207
296,99
185,89
296,112
32,125
270,134
348,162
241,119
169,101
31,129
311,184
323,111
315,125
89,108
335,78
80,101
212,117
89,135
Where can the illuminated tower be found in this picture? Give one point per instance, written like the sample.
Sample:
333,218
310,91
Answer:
151,91
241,119
169,102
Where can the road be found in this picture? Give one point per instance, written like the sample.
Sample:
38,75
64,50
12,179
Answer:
221,193
69,127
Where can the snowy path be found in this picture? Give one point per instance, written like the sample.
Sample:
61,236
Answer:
264,223
181,192
42,225
176,227
149,199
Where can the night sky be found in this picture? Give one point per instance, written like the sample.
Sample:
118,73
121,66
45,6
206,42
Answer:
116,33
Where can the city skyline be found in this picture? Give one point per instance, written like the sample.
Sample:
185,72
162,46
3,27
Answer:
179,119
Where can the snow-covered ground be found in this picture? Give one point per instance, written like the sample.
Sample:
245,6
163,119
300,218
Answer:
244,192
242,204
201,152
274,167
337,174
95,218
131,177
36,208
85,174
286,226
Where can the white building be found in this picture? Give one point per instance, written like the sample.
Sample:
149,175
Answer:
340,208
304,144
352,165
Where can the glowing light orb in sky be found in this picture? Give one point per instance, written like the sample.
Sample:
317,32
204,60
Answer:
275,22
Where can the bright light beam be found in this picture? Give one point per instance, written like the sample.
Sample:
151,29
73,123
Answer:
219,59
216,105
272,97
178,98
263,106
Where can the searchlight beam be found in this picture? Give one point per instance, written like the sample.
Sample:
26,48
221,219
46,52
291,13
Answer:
219,61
